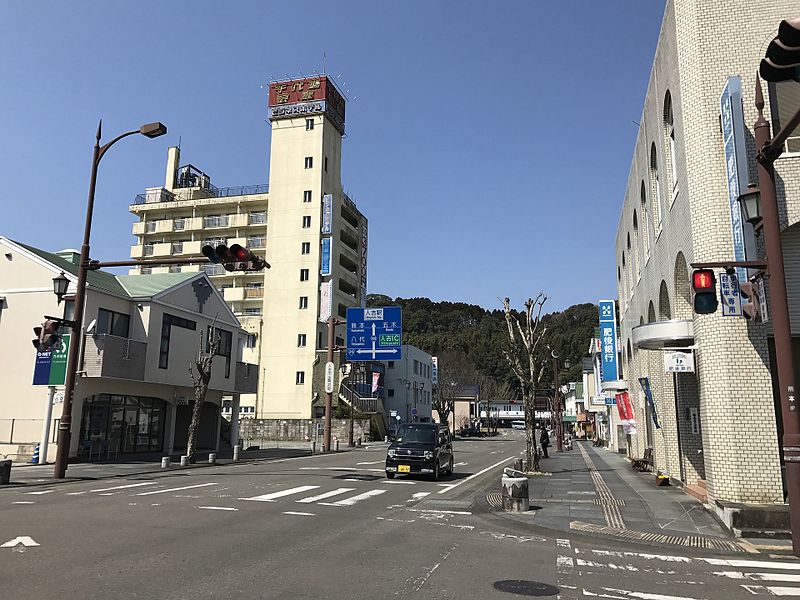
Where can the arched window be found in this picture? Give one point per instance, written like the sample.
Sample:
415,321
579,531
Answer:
645,222
631,268
683,292
664,311
669,144
655,189
636,245
624,287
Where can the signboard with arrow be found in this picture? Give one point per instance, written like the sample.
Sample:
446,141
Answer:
374,333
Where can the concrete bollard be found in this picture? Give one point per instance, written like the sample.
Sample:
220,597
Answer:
5,471
358,443
212,459
236,450
165,462
386,439
515,494
518,464
335,445
184,461
313,447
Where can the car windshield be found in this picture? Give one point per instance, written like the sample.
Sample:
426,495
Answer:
409,433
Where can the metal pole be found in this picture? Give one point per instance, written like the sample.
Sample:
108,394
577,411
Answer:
326,438
559,426
65,424
48,415
779,309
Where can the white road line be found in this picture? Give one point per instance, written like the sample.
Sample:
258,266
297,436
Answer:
564,564
564,543
662,557
793,577
299,514
784,591
455,485
418,496
640,595
374,462
401,482
40,493
446,512
335,492
461,464
271,497
24,502
755,564
358,498
340,469
177,489
119,487
218,508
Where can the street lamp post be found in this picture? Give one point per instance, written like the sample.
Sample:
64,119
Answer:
151,130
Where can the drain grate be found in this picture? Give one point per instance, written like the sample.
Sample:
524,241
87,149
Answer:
495,499
693,541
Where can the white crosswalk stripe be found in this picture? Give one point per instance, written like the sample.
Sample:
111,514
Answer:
358,498
275,495
319,497
177,489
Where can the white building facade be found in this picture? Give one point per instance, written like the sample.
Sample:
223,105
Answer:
408,386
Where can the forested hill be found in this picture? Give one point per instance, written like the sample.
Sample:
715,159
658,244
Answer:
479,334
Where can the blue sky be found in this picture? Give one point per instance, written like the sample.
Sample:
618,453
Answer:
488,142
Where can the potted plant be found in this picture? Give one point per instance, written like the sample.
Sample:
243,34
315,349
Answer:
662,479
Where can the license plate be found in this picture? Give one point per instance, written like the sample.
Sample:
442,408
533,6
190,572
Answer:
403,469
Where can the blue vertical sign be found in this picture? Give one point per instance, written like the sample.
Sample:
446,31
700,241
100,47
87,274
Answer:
732,119
608,338
327,213
325,268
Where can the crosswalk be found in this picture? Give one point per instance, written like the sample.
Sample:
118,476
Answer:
620,575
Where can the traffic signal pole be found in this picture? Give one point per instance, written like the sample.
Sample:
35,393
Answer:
779,308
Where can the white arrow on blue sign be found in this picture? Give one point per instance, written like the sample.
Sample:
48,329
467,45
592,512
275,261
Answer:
374,333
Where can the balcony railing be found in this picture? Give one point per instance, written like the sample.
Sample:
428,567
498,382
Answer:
216,221
177,247
254,292
211,270
256,242
239,190
112,356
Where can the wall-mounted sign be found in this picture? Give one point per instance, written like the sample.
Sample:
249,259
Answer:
325,261
730,295
317,91
608,338
329,377
296,110
434,370
610,401
325,301
679,362
762,299
363,290
732,119
327,213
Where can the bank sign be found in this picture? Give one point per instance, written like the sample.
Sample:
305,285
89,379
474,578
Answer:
608,340
51,366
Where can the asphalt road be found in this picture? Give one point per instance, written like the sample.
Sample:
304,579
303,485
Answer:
331,526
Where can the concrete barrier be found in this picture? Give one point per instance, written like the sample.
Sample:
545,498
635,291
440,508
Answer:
515,493
236,450
165,462
212,459
184,461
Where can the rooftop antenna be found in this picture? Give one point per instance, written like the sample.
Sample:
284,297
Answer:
179,141
324,59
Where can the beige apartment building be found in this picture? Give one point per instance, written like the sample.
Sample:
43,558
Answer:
303,223
714,424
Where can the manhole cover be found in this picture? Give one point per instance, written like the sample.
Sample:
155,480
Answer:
526,588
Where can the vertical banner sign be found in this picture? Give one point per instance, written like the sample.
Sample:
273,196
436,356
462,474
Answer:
626,415
608,336
434,370
363,290
325,301
730,295
51,367
762,299
325,262
733,139
376,377
648,394
327,214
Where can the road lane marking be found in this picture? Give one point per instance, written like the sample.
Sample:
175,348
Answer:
271,497
119,487
299,514
340,469
563,543
358,498
402,482
793,577
640,595
756,564
217,508
784,591
41,493
177,489
455,485
335,492
374,462
418,496
446,512
24,502
460,464
565,564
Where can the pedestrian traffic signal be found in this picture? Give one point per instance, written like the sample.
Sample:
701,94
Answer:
782,60
704,288
235,258
46,335
751,307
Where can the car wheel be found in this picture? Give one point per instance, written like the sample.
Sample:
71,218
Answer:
436,473
389,475
450,466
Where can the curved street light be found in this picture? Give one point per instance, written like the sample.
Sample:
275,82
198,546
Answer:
150,130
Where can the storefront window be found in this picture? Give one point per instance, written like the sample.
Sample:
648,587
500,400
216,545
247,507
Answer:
122,424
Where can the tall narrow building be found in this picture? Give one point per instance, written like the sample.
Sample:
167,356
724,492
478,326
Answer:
309,230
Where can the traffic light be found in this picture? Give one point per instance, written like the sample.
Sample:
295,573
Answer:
751,307
782,60
46,335
704,288
235,258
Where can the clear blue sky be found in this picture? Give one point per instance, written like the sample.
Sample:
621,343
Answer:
488,142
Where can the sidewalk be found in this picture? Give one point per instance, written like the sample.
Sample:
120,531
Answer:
594,491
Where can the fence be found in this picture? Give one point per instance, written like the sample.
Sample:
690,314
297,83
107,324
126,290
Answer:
25,431
277,433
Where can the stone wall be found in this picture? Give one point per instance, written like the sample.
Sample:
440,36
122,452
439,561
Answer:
254,432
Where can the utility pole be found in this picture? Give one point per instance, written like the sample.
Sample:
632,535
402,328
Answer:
768,150
559,426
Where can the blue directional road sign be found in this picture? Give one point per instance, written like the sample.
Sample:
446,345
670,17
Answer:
374,333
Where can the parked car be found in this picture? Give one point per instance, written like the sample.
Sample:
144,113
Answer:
421,448
518,424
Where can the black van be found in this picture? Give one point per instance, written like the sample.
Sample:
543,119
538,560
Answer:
424,448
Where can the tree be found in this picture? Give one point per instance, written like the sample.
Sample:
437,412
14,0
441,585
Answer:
454,371
497,392
203,364
524,355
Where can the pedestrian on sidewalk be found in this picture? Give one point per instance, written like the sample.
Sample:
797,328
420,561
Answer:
544,440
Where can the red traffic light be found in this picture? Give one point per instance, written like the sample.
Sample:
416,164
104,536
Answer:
241,253
703,280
